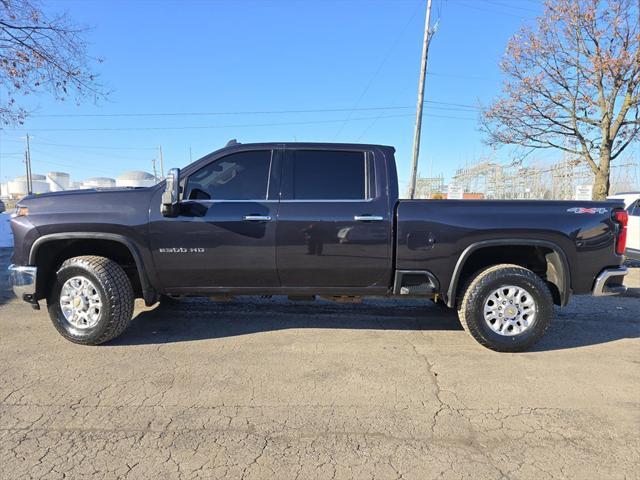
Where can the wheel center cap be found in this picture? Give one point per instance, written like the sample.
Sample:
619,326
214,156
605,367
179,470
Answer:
511,311
77,302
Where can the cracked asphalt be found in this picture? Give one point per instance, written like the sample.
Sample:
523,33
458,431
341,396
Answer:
266,388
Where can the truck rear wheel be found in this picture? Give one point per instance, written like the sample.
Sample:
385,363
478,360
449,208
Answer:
91,301
506,308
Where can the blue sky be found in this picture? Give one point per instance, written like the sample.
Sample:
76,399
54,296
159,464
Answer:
351,56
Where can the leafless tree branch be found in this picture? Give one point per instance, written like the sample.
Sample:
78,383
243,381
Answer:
38,53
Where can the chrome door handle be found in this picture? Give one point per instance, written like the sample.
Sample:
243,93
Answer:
368,218
256,218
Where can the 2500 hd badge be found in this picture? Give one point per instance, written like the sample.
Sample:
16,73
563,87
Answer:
181,250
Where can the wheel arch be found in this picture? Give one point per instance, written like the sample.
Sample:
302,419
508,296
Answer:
148,292
558,272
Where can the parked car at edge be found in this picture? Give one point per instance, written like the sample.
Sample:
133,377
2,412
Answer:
632,204
310,219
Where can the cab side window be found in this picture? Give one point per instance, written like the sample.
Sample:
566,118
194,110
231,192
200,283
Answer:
634,209
239,176
331,175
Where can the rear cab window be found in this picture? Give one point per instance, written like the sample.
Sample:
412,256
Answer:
329,175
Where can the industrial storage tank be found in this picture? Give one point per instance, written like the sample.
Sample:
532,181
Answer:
99,182
39,184
135,178
18,186
58,181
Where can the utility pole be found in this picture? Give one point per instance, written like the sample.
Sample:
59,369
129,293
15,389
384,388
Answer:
418,128
161,162
27,161
155,173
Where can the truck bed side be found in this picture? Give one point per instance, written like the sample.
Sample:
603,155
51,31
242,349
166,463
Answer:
439,235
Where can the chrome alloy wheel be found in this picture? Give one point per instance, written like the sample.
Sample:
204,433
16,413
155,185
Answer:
80,302
510,310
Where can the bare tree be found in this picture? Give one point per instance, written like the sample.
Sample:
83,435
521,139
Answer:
573,83
38,53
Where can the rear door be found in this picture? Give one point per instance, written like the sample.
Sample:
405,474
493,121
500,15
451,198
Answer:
334,221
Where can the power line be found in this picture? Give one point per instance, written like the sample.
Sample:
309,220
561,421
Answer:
500,4
399,93
246,112
102,154
94,146
50,144
207,114
62,164
59,164
455,75
453,104
377,71
207,127
105,154
475,7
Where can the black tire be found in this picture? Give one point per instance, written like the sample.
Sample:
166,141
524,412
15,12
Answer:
115,293
477,292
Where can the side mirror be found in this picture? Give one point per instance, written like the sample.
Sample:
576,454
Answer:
171,194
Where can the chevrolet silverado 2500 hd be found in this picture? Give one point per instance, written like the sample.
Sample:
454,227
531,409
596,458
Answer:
306,219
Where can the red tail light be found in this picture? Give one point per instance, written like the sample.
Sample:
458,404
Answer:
621,217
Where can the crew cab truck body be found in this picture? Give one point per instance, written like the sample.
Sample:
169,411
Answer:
310,219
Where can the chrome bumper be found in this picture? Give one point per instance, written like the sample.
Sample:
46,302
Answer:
23,281
609,282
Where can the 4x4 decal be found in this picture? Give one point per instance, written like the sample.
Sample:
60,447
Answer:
587,210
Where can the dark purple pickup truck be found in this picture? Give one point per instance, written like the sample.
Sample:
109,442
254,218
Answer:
306,219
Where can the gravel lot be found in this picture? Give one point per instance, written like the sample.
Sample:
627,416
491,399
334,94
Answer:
265,388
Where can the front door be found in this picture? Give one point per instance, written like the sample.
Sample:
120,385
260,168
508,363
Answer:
224,235
334,222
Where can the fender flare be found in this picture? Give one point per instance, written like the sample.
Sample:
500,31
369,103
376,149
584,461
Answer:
149,293
560,263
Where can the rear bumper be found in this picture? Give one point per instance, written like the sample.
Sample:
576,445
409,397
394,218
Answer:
609,282
23,281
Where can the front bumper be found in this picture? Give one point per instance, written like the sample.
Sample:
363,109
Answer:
23,281
609,282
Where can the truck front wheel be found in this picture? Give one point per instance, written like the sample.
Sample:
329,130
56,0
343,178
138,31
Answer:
506,308
91,301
